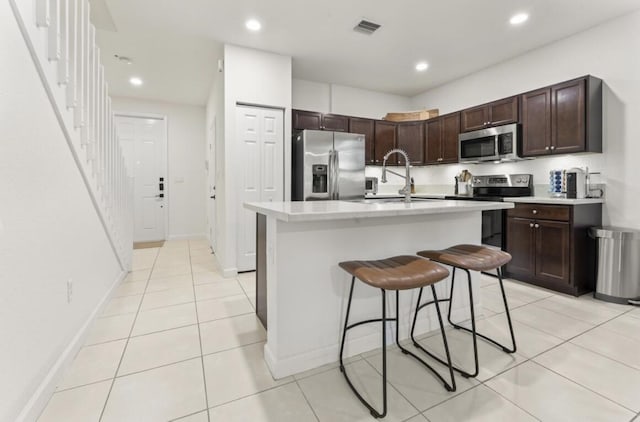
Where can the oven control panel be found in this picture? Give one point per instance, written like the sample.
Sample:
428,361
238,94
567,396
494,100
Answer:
503,181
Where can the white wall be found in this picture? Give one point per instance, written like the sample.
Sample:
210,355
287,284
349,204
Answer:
609,51
312,96
186,155
253,77
49,233
339,99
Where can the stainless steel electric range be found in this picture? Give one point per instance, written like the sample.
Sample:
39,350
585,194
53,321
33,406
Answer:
496,188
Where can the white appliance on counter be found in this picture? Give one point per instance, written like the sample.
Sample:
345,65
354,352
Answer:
576,183
327,165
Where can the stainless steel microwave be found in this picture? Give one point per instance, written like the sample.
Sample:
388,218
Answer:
500,143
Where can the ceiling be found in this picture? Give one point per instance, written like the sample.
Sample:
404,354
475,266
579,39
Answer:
175,45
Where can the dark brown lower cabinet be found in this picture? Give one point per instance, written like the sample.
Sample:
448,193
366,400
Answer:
553,251
550,246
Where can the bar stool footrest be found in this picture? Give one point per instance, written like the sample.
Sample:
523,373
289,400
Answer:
489,339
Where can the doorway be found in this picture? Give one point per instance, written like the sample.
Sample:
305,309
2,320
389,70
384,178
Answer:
211,185
260,140
143,139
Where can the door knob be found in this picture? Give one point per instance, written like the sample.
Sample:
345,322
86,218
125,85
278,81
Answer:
213,197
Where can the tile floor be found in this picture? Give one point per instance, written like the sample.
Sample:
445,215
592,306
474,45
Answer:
178,342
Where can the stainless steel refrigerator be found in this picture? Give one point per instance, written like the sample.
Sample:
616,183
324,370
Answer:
327,165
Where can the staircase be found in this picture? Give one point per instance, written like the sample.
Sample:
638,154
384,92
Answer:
61,40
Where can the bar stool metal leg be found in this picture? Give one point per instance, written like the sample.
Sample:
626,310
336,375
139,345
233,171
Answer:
474,333
347,327
513,347
504,348
473,330
419,306
451,385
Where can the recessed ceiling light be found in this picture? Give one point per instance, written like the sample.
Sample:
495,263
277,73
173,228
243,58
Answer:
135,81
422,66
253,25
518,18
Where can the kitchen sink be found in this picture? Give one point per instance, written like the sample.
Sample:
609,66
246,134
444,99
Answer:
388,200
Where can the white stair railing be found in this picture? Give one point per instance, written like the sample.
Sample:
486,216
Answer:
61,40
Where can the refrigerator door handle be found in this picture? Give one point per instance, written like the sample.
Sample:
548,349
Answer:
330,175
334,176
336,169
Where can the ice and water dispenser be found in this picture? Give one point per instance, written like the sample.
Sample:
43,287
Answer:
319,175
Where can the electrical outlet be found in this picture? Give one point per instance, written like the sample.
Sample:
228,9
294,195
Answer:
69,290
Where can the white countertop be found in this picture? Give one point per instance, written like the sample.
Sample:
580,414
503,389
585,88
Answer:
339,210
555,201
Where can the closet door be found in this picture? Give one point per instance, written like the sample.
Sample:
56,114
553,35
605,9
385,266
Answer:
259,170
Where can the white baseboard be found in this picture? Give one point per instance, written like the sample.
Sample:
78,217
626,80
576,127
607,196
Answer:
45,390
229,272
305,361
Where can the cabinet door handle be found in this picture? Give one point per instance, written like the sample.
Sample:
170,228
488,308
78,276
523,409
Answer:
536,225
439,159
553,147
534,211
546,148
531,225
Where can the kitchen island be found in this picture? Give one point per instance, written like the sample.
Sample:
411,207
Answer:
301,292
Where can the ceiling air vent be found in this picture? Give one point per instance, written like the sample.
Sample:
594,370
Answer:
366,27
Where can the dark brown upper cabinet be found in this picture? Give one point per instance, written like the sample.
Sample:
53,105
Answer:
302,119
496,113
306,120
442,139
335,122
410,138
385,140
536,122
365,127
563,118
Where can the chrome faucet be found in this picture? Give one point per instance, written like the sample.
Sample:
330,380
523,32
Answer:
406,191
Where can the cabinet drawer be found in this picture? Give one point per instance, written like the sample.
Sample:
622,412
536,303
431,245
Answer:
542,212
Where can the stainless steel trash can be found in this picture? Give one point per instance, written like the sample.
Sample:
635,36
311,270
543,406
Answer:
618,278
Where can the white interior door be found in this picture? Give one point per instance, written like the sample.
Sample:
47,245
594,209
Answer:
143,143
260,136
211,185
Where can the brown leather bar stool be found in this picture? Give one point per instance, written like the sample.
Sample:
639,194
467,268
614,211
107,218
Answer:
396,273
469,258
